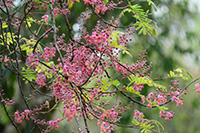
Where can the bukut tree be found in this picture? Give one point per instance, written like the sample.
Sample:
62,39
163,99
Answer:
81,70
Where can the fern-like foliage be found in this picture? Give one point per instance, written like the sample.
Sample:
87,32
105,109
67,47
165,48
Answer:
143,23
178,73
150,2
145,80
148,127
29,74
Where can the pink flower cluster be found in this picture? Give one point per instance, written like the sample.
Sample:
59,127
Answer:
28,114
197,88
53,124
99,5
177,100
43,5
139,116
56,12
32,60
9,3
93,57
41,79
79,66
106,127
45,18
166,114
97,38
65,94
24,115
101,8
161,98
121,69
70,112
138,87
48,53
109,114
8,101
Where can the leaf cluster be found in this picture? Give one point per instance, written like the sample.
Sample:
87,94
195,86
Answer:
143,23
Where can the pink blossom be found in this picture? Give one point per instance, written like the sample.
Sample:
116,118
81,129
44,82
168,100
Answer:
55,12
41,79
149,105
167,115
45,17
180,102
17,114
197,88
32,60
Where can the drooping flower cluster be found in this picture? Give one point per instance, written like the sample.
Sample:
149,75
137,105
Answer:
139,116
8,101
197,88
53,124
28,114
166,114
106,127
99,7
43,5
32,60
48,53
45,18
41,79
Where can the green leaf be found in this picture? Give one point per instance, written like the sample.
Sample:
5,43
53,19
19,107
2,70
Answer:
154,32
105,2
158,125
178,73
4,25
29,20
115,42
71,3
130,89
143,23
9,37
105,82
104,88
141,30
125,10
135,122
41,68
28,74
147,131
186,72
152,3
28,47
145,80
47,105
116,82
126,52
161,108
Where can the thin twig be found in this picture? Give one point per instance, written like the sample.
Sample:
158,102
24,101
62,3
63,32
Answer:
67,23
182,91
1,78
76,120
3,11
110,24
16,57
93,70
16,11
54,31
35,46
